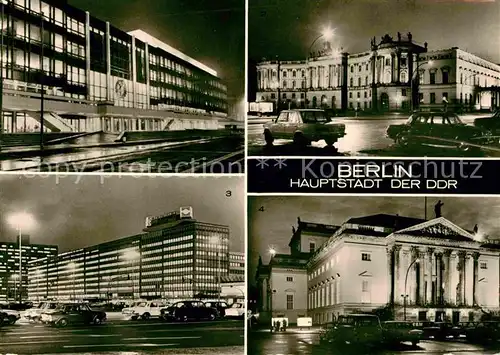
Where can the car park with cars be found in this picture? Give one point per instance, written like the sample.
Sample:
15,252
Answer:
304,126
72,313
439,129
491,123
184,311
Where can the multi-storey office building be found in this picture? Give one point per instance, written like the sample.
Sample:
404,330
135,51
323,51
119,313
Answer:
175,256
92,76
420,269
394,75
237,264
11,289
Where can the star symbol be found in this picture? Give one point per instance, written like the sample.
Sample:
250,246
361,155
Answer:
280,163
262,163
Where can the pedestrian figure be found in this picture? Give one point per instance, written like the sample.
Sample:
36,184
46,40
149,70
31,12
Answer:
273,326
476,229
437,208
278,325
284,325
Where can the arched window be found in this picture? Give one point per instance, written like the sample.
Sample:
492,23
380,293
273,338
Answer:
351,82
293,84
294,74
284,73
359,81
284,84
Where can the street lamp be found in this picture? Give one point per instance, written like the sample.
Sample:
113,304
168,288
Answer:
415,95
272,251
132,255
405,296
72,268
20,221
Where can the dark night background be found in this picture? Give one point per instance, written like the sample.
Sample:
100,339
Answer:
212,32
273,226
287,28
74,214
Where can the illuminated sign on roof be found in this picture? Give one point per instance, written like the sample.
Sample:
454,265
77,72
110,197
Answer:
183,213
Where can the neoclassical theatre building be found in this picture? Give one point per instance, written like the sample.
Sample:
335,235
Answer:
84,74
442,270
395,74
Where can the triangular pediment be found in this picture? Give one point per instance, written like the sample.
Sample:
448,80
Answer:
438,228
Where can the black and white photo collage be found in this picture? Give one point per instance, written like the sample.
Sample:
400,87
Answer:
261,177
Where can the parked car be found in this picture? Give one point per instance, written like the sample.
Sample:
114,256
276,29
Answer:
189,310
72,313
35,313
491,123
437,129
304,126
3,318
220,306
483,332
440,330
144,310
396,332
237,310
12,316
362,330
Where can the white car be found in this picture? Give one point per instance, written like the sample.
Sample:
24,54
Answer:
12,316
144,310
237,310
35,313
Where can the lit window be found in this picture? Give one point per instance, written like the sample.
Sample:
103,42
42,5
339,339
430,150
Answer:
289,301
289,279
366,257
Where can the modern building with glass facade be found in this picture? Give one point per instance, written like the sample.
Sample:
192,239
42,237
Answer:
395,74
10,288
93,76
237,264
174,256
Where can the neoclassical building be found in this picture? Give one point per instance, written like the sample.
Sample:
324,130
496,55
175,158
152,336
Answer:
395,74
440,270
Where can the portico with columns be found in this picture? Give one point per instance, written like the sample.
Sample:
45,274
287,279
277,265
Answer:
438,266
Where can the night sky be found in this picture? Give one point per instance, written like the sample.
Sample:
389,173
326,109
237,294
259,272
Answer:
75,214
273,226
287,28
212,32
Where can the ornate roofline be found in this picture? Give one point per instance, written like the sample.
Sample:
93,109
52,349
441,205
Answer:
435,221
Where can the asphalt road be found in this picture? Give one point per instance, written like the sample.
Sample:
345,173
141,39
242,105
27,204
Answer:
219,337
169,157
307,344
364,137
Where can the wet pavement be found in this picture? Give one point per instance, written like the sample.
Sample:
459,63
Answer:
141,337
308,344
364,137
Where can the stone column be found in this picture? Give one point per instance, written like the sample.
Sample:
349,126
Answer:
390,274
393,75
405,286
412,279
454,278
422,276
469,280
461,268
410,66
397,274
399,66
439,280
447,268
475,289
428,269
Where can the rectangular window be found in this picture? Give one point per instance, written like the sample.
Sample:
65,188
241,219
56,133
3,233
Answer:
364,286
289,301
312,247
433,98
403,92
366,257
289,279
484,265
